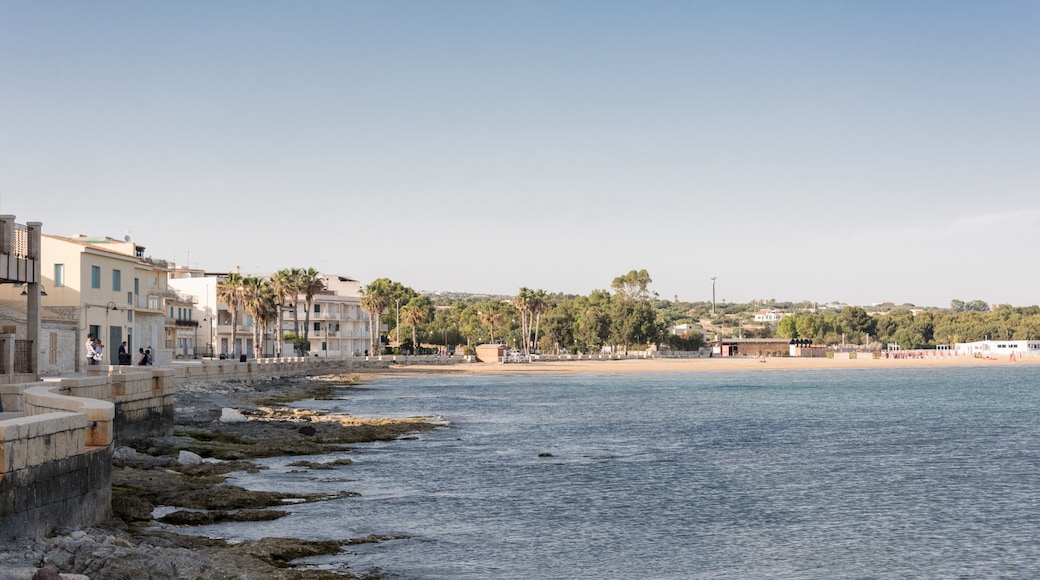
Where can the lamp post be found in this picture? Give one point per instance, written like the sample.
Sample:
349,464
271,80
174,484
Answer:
206,320
398,321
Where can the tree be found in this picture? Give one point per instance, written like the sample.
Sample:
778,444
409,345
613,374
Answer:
539,305
787,327
229,291
633,322
310,283
559,327
417,311
632,285
856,321
283,288
376,298
258,301
491,313
522,303
594,319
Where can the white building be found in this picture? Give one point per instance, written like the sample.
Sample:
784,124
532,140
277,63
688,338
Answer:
770,314
687,329
338,325
999,348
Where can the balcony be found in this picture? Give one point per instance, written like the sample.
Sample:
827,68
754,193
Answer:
16,264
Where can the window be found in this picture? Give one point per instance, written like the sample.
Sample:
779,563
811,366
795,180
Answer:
59,274
95,276
117,281
317,327
317,308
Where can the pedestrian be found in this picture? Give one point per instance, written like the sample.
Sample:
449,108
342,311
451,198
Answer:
148,355
99,352
143,360
90,349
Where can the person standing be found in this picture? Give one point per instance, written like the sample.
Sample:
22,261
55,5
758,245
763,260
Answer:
144,357
90,349
99,352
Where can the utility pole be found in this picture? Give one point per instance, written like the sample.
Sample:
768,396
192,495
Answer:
713,296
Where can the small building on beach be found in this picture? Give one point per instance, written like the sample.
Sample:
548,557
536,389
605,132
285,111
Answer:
998,348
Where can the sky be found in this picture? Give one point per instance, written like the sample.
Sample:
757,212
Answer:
859,152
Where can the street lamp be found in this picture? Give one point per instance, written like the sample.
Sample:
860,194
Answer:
210,346
398,321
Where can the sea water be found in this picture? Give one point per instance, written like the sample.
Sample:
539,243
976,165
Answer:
762,474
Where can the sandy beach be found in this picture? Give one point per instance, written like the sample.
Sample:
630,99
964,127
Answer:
654,365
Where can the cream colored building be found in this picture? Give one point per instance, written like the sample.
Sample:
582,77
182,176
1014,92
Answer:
121,295
338,325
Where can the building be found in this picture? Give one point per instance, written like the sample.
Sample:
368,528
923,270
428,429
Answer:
56,353
770,314
338,325
999,348
117,292
21,279
752,347
687,329
202,332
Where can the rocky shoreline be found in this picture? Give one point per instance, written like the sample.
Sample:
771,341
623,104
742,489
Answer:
219,429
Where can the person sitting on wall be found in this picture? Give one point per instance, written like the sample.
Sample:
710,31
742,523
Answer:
144,357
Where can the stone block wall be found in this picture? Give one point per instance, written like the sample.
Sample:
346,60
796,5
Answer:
50,476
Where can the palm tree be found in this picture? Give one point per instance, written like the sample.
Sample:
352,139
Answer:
491,313
416,312
258,301
229,291
310,283
370,304
283,288
376,298
522,303
539,306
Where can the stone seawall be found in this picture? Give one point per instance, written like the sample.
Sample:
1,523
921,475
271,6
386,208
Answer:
51,474
57,436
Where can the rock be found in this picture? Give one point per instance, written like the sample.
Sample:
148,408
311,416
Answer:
546,454
131,508
232,416
78,535
188,458
18,573
128,454
47,573
73,577
308,430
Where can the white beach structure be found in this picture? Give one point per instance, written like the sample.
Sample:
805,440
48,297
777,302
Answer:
999,348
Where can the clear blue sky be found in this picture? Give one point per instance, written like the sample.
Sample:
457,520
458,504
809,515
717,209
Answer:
851,151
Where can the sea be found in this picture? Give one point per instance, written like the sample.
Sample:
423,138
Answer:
858,473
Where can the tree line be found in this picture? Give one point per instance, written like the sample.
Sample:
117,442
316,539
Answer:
626,316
